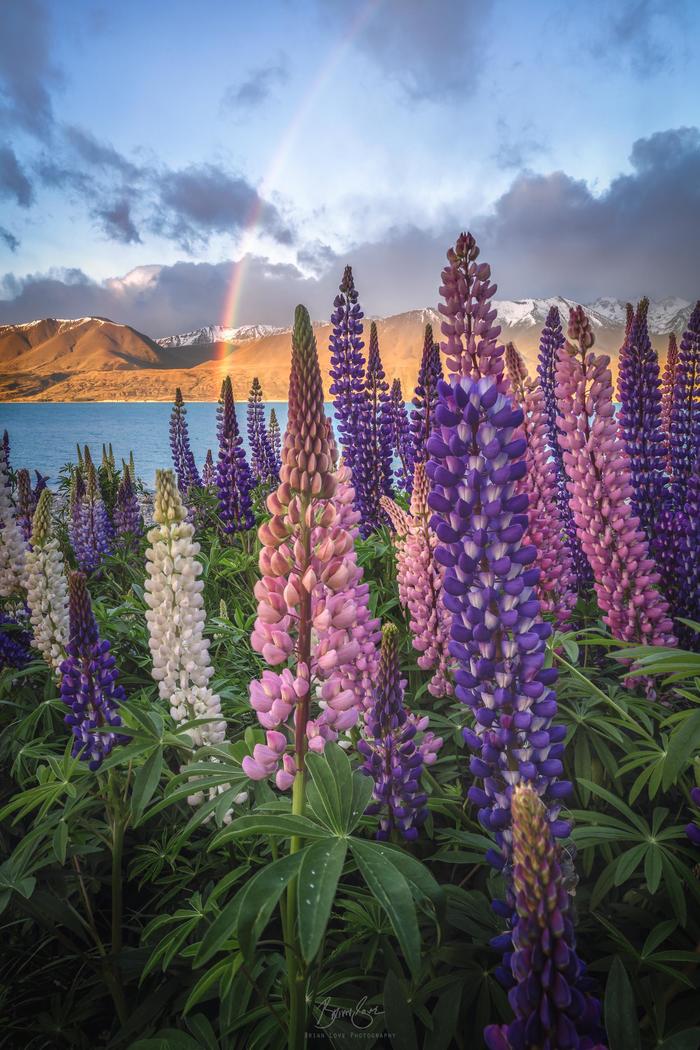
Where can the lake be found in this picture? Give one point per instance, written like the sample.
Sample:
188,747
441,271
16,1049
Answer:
43,435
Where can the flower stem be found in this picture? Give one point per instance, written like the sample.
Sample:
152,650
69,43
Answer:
296,971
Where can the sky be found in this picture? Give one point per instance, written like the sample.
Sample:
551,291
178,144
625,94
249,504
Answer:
173,163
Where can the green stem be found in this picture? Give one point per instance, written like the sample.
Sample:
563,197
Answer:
604,697
296,972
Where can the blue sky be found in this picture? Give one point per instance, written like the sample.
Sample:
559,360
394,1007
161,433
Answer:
148,133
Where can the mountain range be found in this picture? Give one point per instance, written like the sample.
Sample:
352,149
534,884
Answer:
95,359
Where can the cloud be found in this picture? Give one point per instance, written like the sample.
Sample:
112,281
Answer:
117,223
516,148
9,239
14,183
646,35
257,86
26,70
98,155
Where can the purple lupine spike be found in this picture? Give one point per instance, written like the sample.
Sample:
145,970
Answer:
15,644
89,682
692,830
234,480
6,447
376,451
668,382
426,396
208,470
347,372
685,411
92,531
551,341
472,346
262,461
639,384
551,1000
183,457
275,436
401,438
25,503
127,513
687,561
393,757
41,480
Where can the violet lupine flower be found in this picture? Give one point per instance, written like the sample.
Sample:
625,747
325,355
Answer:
41,480
6,446
668,383
234,480
556,585
275,436
376,450
15,644
89,682
208,471
425,396
692,830
347,370
262,461
183,457
401,438
127,512
684,444
553,1007
92,531
640,425
687,561
625,575
25,503
551,341
313,609
420,583
394,756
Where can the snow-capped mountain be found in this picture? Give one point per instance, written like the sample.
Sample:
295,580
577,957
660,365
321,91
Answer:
665,315
216,333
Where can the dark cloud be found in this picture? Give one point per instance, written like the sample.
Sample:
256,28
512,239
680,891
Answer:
26,71
117,223
98,155
257,86
195,202
14,184
9,239
433,51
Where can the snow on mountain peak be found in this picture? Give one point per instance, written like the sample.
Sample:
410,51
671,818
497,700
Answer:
216,333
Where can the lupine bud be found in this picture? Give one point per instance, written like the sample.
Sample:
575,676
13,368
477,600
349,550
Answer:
347,369
472,347
426,396
47,588
25,503
550,999
92,531
183,457
275,437
394,754
668,383
208,471
372,458
262,459
127,513
89,682
234,480
401,438
12,543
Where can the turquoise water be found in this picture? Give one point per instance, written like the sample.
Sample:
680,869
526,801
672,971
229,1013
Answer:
44,435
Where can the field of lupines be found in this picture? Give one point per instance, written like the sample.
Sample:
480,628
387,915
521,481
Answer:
387,736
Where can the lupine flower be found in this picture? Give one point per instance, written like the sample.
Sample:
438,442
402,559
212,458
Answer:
426,396
75,496
175,616
556,584
208,471
687,560
183,457
262,460
668,383
40,485
313,611
420,582
372,458
127,513
684,444
640,421
692,830
347,370
393,756
6,447
25,503
89,682
472,346
12,542
401,438
47,588
551,341
625,575
92,531
234,480
15,644
275,436
553,1007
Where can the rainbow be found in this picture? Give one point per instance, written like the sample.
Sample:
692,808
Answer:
233,295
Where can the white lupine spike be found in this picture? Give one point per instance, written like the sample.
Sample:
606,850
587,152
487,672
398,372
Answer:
47,587
13,548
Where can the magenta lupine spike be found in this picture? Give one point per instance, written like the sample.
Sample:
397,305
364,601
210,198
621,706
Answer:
394,753
313,611
420,583
556,585
426,395
639,386
401,438
262,460
347,370
183,457
89,682
685,411
472,346
668,382
234,481
92,532
275,436
551,340
127,513
208,471
625,575
25,503
553,1007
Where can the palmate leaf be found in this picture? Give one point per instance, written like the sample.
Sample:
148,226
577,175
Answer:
391,889
336,795
320,871
621,1019
282,825
259,897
